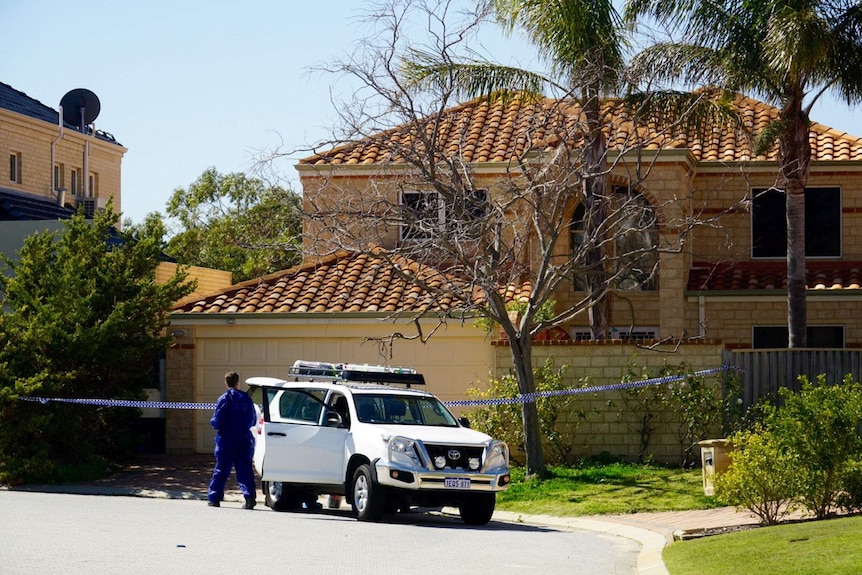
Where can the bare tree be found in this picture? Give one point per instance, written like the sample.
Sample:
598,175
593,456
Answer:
483,204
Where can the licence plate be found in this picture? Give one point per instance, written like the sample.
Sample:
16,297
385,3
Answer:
457,482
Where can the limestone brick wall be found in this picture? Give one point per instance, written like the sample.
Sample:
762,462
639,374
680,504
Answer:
609,425
208,280
732,319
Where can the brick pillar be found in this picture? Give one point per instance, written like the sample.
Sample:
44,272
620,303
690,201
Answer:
180,386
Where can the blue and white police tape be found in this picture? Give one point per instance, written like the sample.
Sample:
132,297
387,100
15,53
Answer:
524,398
123,403
531,397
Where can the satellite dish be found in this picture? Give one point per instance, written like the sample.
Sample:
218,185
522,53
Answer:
80,107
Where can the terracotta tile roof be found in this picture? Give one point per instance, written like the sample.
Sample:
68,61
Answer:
483,131
344,282
828,275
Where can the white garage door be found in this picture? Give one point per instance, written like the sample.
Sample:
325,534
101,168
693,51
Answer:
452,360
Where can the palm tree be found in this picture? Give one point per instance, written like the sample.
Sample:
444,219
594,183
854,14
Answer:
788,53
583,45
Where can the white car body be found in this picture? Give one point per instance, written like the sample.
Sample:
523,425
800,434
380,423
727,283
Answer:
386,448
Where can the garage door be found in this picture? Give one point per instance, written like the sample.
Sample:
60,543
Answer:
452,360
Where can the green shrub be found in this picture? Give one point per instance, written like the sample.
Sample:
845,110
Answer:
693,408
819,425
850,498
505,421
804,453
762,477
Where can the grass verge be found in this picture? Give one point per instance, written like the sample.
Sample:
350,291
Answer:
813,547
605,489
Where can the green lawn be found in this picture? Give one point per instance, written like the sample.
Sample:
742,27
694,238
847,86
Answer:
607,489
811,548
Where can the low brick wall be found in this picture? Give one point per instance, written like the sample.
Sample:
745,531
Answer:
610,424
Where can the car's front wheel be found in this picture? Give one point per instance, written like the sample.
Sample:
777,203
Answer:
478,508
279,496
369,498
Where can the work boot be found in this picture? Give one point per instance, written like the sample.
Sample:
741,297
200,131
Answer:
250,502
214,504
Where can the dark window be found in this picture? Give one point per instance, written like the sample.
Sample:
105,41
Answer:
422,215
15,167
775,337
822,223
426,213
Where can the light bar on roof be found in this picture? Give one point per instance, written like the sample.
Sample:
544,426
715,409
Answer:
357,372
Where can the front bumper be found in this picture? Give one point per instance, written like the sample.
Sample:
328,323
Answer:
405,477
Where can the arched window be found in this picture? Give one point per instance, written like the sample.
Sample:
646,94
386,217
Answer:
631,222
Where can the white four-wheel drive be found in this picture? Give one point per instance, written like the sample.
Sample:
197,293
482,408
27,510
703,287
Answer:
366,433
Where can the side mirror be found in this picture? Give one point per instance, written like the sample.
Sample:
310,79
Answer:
464,421
333,419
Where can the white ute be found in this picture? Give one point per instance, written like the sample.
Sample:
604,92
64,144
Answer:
364,432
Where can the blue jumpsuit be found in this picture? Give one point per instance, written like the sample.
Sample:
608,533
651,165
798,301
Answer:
234,443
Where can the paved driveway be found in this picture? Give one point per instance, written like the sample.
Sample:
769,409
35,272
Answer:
86,534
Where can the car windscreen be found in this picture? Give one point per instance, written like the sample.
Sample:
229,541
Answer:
402,410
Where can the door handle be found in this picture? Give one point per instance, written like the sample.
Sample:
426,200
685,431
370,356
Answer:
278,433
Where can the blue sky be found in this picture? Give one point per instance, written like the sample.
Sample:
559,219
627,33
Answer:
190,84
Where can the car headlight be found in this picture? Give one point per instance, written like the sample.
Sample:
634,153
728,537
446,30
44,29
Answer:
403,450
401,444
497,455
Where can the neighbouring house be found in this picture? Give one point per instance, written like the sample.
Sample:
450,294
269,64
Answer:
54,168
724,291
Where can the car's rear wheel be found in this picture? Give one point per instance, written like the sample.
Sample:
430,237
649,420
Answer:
279,496
369,498
478,508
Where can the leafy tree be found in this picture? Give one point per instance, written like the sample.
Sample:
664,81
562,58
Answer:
786,52
235,223
82,318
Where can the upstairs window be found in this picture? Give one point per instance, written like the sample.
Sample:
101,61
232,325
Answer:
634,249
822,223
15,167
75,182
59,176
427,214
93,185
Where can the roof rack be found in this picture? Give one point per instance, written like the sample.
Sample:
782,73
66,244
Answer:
364,373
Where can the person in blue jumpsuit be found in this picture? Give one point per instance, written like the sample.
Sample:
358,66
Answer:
234,443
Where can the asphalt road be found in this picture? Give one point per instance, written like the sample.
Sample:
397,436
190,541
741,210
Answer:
43,533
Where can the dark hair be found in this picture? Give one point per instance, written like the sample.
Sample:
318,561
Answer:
231,378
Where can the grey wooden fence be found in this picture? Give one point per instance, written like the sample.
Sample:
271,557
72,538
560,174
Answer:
763,372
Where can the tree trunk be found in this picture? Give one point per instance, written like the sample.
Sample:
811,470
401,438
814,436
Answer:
795,157
595,214
523,362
